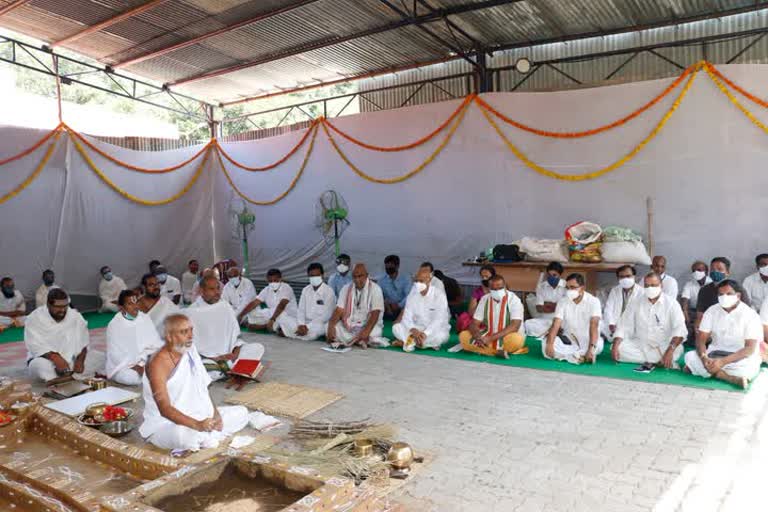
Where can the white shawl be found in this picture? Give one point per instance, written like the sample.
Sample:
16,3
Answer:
216,331
162,308
43,334
130,342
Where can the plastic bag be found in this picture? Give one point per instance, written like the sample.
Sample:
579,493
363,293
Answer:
625,252
620,234
584,242
543,250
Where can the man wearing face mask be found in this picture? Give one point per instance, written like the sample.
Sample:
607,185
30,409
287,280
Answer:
56,338
131,339
497,326
316,307
690,296
179,413
12,305
720,270
435,282
549,291
669,284
395,287
359,315
652,329
110,287
620,297
426,319
279,299
736,332
169,286
577,316
41,295
756,285
153,303
239,292
342,277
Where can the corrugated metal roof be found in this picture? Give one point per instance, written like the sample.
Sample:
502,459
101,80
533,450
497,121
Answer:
522,22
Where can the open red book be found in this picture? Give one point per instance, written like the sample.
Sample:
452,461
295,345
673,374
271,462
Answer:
249,368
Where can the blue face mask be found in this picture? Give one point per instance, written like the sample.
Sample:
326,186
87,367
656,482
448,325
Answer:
108,276
717,276
128,316
553,281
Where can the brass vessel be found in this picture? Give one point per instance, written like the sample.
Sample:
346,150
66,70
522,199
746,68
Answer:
400,456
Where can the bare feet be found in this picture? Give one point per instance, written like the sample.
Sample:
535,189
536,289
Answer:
502,354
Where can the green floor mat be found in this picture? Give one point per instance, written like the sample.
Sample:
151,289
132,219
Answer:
95,321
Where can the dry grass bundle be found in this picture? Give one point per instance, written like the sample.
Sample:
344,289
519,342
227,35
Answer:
380,435
337,461
328,429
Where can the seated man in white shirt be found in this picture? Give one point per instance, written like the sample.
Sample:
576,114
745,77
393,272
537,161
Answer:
12,306
426,320
359,315
188,281
316,306
153,303
668,283
169,286
56,338
49,282
652,329
279,298
131,339
619,298
179,413
497,325
239,292
756,285
549,291
736,332
575,332
110,287
690,295
434,281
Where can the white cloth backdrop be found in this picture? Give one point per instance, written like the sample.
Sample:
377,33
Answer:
705,173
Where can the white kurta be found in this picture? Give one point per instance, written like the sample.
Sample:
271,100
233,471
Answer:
129,344
729,331
171,287
541,322
764,312
109,291
427,313
216,331
239,296
669,287
272,298
160,311
756,289
188,393
41,295
15,303
617,302
691,291
437,284
188,280
357,306
315,310
646,330
43,334
575,326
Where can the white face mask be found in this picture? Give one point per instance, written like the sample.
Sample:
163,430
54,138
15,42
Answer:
419,286
498,294
572,294
698,275
627,282
342,268
235,281
764,271
274,286
652,292
316,281
727,301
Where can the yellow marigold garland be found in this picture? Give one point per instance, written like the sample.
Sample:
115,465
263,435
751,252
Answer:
612,167
736,102
36,172
290,186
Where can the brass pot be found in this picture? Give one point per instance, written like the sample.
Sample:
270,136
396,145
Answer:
96,409
362,448
21,408
97,383
400,456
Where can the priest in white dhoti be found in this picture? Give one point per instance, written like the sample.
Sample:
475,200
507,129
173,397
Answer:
56,338
736,333
12,305
426,320
549,291
619,298
170,286
110,287
575,333
217,332
131,339
49,282
316,306
239,292
359,315
652,329
279,299
154,303
179,413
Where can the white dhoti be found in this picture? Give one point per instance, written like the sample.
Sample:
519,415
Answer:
262,316
639,351
539,327
289,324
127,377
109,307
434,340
345,336
179,437
43,369
570,353
748,367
